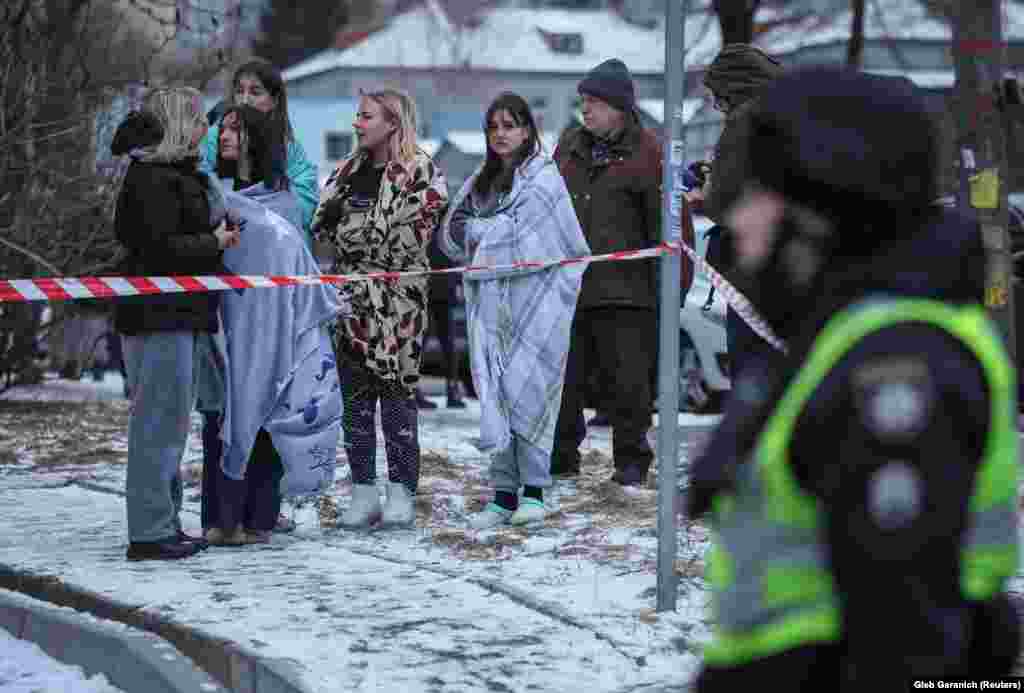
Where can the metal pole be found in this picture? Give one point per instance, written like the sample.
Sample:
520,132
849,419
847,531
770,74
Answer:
668,341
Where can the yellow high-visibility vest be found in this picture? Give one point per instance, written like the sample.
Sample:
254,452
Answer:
772,590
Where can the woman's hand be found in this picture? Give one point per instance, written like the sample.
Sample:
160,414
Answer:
227,236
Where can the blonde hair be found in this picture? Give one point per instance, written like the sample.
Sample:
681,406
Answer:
179,110
400,109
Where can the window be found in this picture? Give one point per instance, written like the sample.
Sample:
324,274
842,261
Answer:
337,145
571,44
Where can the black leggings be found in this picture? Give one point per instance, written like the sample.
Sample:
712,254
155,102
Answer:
440,320
362,390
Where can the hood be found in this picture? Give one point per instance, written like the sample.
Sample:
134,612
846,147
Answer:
139,129
740,71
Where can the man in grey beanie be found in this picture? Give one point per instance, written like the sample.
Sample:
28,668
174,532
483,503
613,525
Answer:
612,168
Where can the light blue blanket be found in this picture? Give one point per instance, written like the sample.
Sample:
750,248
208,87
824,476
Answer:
519,320
281,372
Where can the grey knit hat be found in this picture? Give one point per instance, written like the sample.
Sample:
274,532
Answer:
612,83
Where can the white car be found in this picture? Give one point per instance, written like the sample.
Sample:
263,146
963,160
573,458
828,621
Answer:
703,357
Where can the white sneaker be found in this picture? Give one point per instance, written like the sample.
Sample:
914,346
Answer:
399,510
530,510
364,510
493,515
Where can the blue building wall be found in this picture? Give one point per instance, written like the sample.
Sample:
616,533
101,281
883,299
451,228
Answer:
313,118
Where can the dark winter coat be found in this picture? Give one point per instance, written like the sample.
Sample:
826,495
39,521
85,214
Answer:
163,220
737,74
619,208
440,287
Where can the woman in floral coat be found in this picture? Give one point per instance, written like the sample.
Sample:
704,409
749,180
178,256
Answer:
379,210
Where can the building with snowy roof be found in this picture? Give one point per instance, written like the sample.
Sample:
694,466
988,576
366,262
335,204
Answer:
455,70
541,49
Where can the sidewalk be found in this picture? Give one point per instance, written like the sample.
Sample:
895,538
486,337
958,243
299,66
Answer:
362,614
568,606
564,607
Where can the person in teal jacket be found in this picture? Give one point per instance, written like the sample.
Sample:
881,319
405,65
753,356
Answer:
260,85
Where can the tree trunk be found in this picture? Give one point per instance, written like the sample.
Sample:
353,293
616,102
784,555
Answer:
979,56
855,48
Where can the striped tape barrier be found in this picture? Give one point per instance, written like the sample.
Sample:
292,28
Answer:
73,288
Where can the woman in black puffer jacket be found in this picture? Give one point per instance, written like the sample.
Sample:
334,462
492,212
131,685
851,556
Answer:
165,222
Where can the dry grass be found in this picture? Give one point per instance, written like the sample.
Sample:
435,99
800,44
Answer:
327,511
691,567
606,502
60,434
450,492
437,465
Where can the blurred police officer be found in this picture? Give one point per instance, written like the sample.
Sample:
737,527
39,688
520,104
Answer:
863,486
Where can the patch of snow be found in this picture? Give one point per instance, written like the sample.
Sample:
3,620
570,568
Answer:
656,108
467,141
430,146
56,389
474,142
25,668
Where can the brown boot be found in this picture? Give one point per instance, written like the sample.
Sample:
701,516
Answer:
216,536
257,536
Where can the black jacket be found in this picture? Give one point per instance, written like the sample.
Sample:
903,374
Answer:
904,615
163,220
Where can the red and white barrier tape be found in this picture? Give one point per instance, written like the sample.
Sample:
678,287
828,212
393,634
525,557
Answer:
72,288
740,303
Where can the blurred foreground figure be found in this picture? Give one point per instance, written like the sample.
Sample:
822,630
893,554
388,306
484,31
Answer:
863,486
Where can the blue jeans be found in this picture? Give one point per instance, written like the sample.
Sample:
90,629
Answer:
161,378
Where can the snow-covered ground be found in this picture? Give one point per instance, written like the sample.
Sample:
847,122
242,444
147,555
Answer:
56,389
566,606
24,668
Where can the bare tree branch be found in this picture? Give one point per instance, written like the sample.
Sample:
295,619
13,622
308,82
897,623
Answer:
28,253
